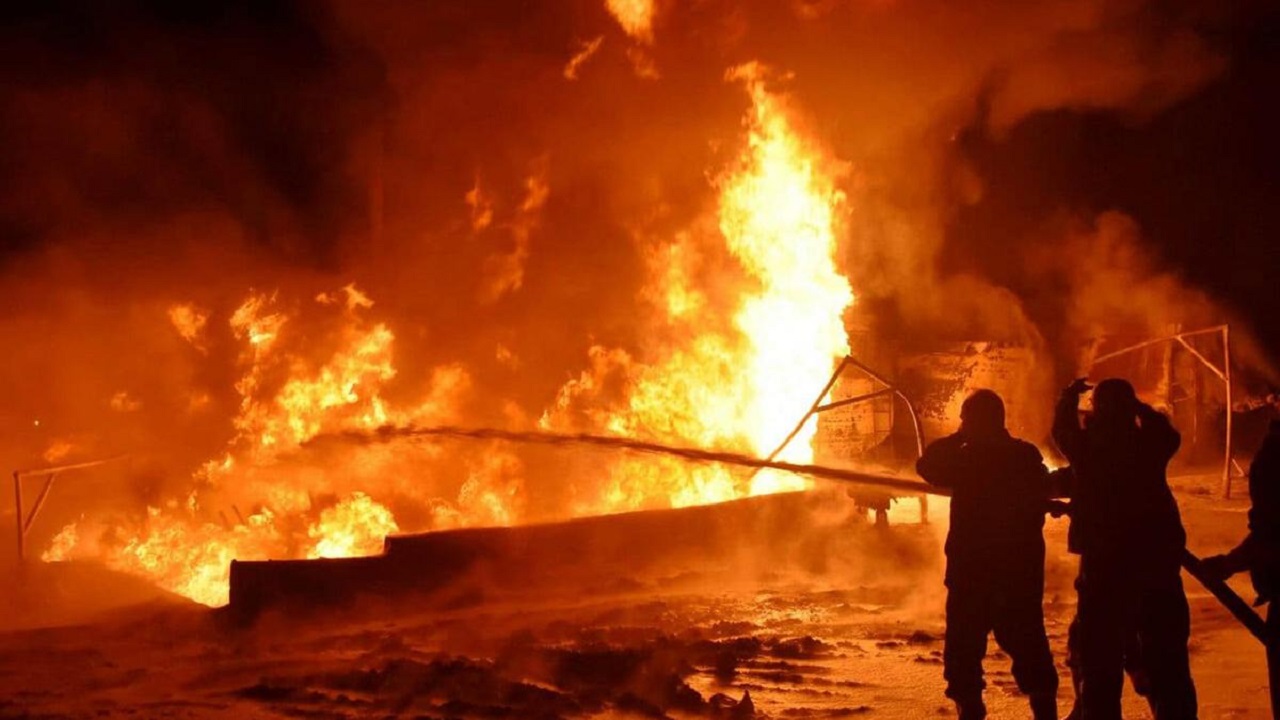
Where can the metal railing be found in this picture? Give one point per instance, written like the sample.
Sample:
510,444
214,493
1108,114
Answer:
889,390
1222,373
22,519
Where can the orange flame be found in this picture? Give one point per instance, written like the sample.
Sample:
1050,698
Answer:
635,17
736,363
741,388
778,215
187,547
190,322
356,526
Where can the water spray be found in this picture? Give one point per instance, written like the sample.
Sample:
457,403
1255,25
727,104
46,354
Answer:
390,433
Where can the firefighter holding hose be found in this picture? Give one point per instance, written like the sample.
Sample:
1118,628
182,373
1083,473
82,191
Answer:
995,555
1128,532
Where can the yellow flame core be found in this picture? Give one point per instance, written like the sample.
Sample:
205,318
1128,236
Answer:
635,17
741,387
777,213
342,391
356,526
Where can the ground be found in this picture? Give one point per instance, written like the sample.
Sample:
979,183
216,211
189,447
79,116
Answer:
825,639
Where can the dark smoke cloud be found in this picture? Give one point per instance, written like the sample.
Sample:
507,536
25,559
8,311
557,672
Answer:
1198,182
133,112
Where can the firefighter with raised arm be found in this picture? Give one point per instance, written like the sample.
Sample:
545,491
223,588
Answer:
1127,529
995,555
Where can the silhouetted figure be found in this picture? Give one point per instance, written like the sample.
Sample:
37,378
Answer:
995,555
1133,666
1126,527
1063,483
1260,551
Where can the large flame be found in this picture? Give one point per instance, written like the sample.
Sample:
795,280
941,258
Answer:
635,17
777,213
741,387
294,509
748,323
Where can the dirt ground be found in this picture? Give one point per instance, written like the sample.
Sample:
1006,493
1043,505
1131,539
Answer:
799,642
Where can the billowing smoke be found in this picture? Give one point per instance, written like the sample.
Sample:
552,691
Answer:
512,214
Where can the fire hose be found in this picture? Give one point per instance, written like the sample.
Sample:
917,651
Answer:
1235,604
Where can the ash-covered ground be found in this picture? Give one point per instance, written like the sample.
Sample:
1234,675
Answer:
840,619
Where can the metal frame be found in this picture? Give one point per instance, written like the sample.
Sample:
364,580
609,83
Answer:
1223,373
889,389
23,520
